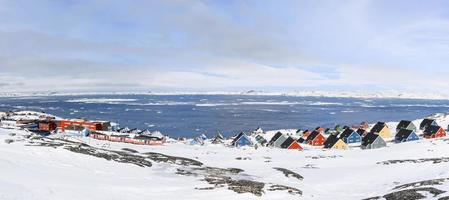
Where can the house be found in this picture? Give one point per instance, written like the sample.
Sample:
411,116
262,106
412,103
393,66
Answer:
241,140
258,131
320,130
315,139
335,143
147,140
75,130
197,141
362,132
218,139
47,126
381,129
280,140
118,138
373,141
261,140
364,125
434,132
290,143
350,136
95,126
404,124
426,123
338,128
274,138
405,135
98,136
306,133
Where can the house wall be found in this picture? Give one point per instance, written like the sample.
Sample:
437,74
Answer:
340,145
385,133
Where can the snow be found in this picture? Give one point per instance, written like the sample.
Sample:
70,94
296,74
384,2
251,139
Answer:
30,172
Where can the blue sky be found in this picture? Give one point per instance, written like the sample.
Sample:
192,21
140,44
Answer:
114,45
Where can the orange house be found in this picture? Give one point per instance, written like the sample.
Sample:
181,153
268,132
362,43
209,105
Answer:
316,139
94,126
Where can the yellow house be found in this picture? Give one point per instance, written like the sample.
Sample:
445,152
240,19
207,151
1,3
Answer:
340,145
381,129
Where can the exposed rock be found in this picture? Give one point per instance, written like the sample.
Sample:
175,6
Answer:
413,194
289,173
9,141
422,160
290,190
158,157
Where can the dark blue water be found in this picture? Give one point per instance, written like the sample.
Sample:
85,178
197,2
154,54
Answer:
189,115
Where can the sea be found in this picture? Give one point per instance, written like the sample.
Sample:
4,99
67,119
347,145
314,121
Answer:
192,115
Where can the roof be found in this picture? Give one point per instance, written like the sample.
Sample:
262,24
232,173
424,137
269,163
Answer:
237,137
430,130
378,127
287,142
403,124
369,139
145,137
330,141
312,136
361,131
403,134
426,123
275,137
346,133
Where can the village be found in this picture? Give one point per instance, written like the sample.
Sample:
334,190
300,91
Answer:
364,135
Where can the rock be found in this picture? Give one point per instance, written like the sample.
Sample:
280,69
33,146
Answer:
413,194
289,173
9,141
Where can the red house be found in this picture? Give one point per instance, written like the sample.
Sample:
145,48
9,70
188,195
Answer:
93,126
316,139
291,143
99,136
47,126
434,132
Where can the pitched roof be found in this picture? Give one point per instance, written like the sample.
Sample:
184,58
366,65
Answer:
403,124
378,127
430,130
237,138
426,123
346,133
275,137
312,136
403,134
361,131
287,142
369,139
330,141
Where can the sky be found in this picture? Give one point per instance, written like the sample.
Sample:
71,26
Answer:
183,45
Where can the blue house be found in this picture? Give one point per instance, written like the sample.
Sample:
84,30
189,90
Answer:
241,140
405,135
350,136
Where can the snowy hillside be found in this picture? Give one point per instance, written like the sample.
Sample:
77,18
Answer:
45,168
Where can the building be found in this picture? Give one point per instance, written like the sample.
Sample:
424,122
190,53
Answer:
75,130
426,123
290,143
404,124
241,140
381,129
94,126
274,138
373,141
434,132
405,135
261,140
335,143
280,140
47,126
218,139
316,139
98,136
350,136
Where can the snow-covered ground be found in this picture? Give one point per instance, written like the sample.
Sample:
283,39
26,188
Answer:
31,171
